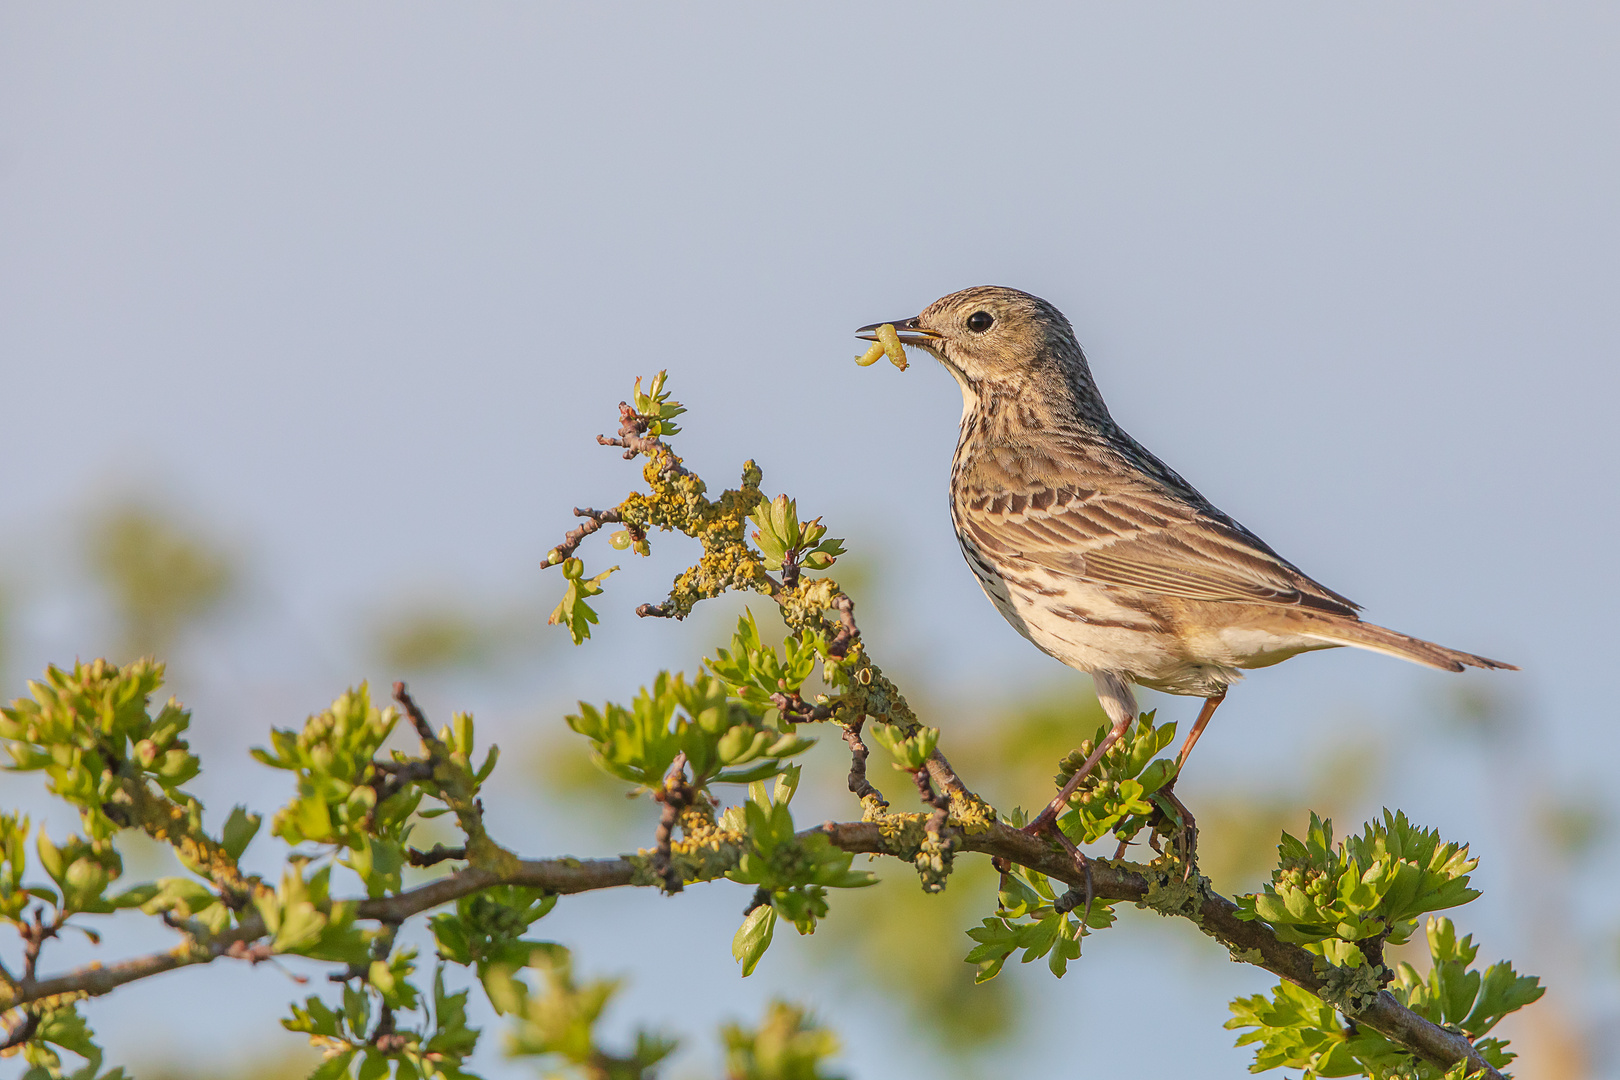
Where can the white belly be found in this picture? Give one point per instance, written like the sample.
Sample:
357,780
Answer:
1086,627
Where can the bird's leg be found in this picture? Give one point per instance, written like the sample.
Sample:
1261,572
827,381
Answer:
1210,705
1047,819
1117,700
1187,833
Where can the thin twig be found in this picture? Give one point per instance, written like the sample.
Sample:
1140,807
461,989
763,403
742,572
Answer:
594,520
858,753
22,1030
424,730
935,825
940,769
391,777
848,632
438,853
676,795
795,710
633,439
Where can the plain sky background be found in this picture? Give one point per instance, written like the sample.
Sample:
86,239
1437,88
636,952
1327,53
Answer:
362,282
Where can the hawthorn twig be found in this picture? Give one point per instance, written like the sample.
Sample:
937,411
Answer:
859,785
454,784
391,777
935,825
848,632
795,710
21,1030
633,439
676,795
594,520
438,853
419,720
256,953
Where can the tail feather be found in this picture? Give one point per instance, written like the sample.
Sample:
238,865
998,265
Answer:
1391,643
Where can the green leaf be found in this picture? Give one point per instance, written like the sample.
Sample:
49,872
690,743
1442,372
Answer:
572,611
334,1067
753,937
240,829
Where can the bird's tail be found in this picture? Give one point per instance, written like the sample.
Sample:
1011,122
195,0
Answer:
1367,636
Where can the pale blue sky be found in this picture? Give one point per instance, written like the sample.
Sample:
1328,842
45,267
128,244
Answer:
362,282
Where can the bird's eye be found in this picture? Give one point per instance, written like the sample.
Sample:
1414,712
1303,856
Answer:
979,321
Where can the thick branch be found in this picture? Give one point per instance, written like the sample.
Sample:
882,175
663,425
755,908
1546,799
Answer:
1215,915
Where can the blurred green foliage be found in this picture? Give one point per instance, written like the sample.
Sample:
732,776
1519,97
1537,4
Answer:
436,635
787,1045
270,1062
159,573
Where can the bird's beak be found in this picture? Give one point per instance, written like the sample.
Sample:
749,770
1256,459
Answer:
906,330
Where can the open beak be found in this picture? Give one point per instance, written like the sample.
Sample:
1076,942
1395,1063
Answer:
906,330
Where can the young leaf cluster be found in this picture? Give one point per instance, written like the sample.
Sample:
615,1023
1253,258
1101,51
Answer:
302,917
486,929
356,1045
90,732
558,1023
1369,889
339,784
1118,796
60,1027
81,870
724,740
1029,917
787,1045
756,673
791,874
1292,1028
656,408
785,542
910,752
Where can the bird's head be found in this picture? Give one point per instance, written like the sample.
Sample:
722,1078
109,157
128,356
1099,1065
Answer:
991,335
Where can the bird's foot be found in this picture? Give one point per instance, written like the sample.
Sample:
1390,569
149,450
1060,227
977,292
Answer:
1185,834
1046,825
1046,820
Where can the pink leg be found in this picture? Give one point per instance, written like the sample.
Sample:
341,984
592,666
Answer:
1210,705
1117,700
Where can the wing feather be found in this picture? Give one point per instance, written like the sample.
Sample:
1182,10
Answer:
1141,537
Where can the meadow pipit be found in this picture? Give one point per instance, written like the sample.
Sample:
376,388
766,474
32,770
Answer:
1097,551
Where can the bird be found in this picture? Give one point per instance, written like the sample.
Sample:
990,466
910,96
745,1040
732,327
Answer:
1098,552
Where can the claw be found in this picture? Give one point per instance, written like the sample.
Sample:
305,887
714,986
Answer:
1186,835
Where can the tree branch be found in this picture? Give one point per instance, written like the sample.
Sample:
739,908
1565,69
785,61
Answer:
1215,915
594,519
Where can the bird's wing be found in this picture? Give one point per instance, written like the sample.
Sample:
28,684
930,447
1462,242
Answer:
1142,535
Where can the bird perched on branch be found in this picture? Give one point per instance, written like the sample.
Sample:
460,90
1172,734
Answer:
1097,551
